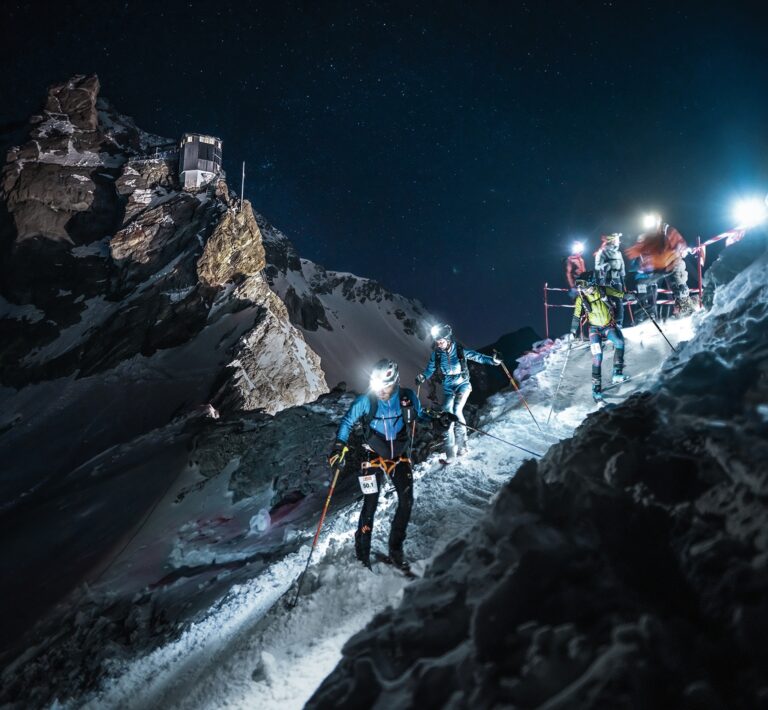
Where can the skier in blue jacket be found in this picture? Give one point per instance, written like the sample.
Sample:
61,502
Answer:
389,414
448,363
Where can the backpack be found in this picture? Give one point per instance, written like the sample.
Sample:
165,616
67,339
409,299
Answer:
438,374
406,411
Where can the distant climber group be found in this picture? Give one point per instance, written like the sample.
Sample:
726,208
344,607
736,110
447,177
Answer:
390,413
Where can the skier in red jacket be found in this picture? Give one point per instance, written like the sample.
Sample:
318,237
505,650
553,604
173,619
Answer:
574,267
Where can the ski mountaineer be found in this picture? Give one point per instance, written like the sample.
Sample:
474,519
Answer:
592,299
664,250
448,364
574,267
611,271
388,414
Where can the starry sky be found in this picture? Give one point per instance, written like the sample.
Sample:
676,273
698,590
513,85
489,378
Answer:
450,150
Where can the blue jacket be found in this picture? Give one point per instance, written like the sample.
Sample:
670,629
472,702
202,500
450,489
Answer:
388,419
450,365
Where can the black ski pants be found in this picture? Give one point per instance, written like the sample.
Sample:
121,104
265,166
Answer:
402,478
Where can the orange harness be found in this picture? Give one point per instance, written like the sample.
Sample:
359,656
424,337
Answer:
386,465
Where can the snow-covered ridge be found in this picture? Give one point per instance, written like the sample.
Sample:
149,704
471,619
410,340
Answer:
346,318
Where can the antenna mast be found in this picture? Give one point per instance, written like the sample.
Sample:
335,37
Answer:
242,187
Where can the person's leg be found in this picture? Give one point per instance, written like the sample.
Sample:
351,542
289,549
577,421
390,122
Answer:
618,309
653,295
462,394
596,347
449,397
402,477
617,338
365,523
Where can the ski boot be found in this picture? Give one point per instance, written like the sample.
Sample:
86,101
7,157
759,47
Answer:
685,307
597,394
618,377
398,560
363,547
450,455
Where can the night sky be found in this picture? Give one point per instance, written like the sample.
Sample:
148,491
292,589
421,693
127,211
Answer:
451,151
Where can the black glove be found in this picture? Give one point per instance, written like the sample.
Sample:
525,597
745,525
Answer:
446,419
337,457
420,379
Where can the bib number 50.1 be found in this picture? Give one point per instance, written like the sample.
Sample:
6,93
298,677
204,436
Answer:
368,484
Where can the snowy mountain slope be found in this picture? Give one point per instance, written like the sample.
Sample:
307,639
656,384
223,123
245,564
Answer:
346,318
249,651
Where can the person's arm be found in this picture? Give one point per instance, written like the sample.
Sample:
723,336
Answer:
569,273
417,408
610,291
479,357
429,371
576,316
358,409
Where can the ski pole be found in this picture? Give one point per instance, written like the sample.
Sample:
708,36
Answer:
413,424
317,534
517,389
503,441
658,327
559,382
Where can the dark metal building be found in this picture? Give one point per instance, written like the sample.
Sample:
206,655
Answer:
199,160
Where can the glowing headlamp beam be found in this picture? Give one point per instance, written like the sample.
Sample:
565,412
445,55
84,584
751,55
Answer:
750,212
651,221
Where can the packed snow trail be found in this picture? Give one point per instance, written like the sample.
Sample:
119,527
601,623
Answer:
252,651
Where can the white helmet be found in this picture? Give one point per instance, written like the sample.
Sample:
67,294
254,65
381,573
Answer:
385,372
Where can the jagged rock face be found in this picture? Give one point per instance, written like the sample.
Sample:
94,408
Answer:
273,366
59,185
77,99
626,569
146,181
234,251
351,322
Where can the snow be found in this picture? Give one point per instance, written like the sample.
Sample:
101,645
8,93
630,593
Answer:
96,310
251,650
15,312
99,248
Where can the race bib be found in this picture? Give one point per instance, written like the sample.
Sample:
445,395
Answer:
596,348
368,484
642,288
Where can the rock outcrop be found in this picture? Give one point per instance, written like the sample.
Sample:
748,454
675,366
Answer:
234,251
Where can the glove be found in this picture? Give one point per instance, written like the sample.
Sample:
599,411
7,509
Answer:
496,360
337,457
420,379
446,419
573,292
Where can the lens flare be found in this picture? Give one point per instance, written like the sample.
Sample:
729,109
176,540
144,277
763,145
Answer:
750,212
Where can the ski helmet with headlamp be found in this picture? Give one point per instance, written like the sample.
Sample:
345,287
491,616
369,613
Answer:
441,332
385,373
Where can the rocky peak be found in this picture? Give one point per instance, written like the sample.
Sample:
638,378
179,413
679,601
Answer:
76,98
234,251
